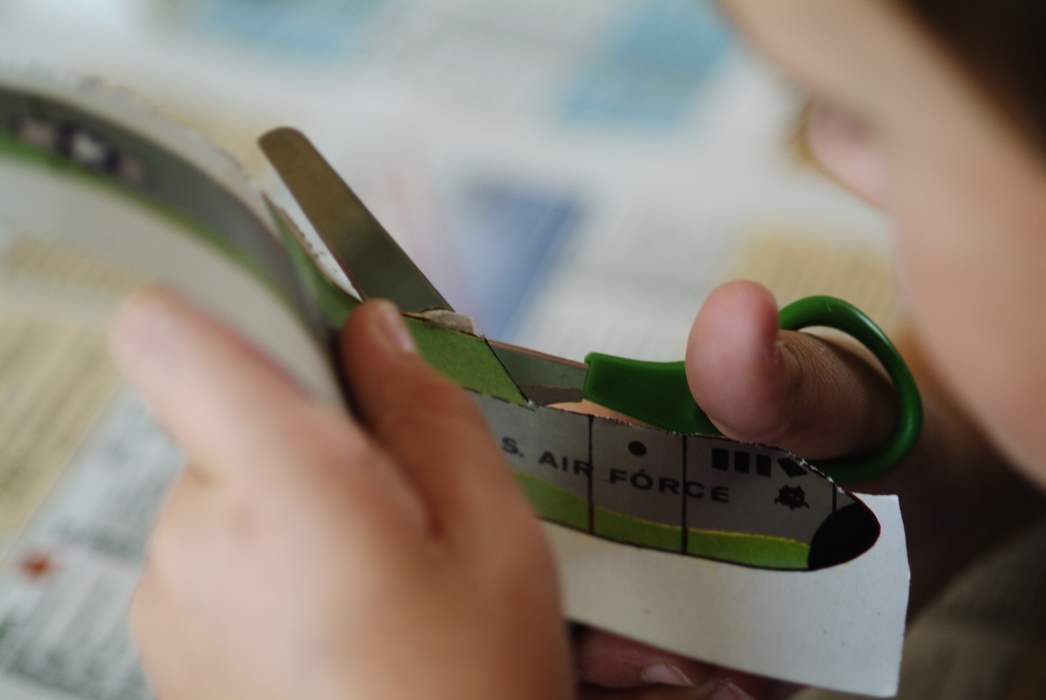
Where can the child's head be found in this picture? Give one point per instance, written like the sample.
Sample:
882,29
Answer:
935,111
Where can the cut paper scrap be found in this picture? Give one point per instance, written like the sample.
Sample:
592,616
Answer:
839,628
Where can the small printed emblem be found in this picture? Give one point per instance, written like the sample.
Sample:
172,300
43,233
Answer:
792,496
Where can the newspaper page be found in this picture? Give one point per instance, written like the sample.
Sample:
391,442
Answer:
67,582
81,454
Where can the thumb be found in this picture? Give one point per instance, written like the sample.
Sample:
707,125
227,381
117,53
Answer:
788,389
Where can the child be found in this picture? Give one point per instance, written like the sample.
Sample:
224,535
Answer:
303,555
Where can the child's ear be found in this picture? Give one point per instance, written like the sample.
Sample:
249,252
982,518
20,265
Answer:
846,148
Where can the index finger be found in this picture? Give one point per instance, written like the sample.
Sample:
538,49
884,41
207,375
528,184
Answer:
222,401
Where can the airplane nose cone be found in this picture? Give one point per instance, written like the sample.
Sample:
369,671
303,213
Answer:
844,535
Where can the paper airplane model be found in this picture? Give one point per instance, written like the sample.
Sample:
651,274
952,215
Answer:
741,555
669,487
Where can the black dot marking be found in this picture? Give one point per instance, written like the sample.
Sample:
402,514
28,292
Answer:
637,448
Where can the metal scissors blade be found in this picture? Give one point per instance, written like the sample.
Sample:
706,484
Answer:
543,379
374,262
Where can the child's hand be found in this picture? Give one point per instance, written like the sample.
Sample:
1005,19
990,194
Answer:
757,384
783,388
820,399
301,557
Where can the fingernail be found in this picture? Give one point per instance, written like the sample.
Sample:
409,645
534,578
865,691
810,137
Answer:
666,675
392,328
729,691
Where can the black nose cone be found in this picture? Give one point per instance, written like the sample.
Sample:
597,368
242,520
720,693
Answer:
844,535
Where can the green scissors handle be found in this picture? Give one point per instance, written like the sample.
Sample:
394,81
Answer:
657,393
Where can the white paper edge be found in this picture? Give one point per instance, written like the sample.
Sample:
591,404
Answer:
840,628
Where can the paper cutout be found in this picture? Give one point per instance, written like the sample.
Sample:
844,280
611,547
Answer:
695,495
839,628
611,584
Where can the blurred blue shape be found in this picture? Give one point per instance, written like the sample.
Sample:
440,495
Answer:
508,238
649,71
311,29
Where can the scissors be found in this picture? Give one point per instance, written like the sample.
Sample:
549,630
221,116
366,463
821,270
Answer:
674,483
